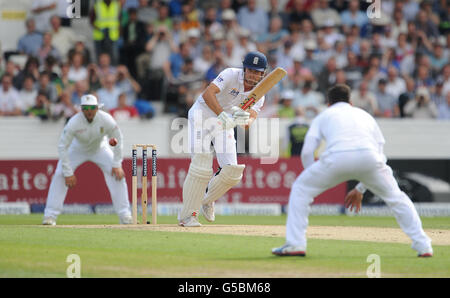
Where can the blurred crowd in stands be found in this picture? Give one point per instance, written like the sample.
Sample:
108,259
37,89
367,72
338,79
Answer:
395,56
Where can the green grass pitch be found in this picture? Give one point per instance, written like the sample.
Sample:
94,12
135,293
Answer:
29,250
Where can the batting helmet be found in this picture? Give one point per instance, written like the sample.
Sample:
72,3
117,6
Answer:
255,60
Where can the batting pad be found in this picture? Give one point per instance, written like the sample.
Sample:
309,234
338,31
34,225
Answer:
194,187
229,176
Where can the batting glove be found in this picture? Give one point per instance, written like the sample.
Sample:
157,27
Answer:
226,121
240,116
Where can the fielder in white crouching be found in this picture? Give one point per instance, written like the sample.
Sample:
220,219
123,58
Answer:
212,119
82,140
354,151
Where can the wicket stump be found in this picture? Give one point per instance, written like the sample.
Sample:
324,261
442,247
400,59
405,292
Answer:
144,183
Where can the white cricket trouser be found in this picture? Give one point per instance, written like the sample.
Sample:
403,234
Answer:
103,158
367,167
202,131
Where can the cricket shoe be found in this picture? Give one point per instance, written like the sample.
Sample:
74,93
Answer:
426,253
125,220
208,212
49,221
289,250
190,221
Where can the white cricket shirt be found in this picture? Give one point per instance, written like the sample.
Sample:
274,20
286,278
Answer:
87,138
346,128
231,84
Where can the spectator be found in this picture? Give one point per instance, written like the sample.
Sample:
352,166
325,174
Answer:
395,84
438,95
193,39
444,109
274,11
322,13
424,77
230,26
353,71
311,101
399,24
426,25
104,19
253,18
28,94
77,72
47,87
80,48
310,62
47,49
270,41
63,38
190,85
296,133
244,44
387,103
406,96
422,106
437,58
147,13
127,85
108,95
284,58
159,47
307,32
410,9
364,99
327,76
172,67
105,66
134,39
190,16
62,82
31,68
41,11
297,73
210,19
297,15
80,88
353,16
204,62
10,104
340,54
93,80
124,111
41,108
285,109
30,43
63,108
216,67
163,19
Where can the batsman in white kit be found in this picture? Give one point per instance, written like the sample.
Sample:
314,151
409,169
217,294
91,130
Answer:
212,119
354,151
83,139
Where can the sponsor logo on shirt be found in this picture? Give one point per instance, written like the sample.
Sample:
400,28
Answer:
234,92
219,79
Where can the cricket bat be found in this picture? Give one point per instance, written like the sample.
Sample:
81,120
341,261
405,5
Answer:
263,87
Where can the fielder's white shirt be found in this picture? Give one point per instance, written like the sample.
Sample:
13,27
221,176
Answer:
88,138
344,128
231,84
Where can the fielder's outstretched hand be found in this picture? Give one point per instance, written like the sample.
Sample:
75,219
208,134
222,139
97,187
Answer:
353,200
118,173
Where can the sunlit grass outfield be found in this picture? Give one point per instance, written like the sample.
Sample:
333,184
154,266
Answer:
28,250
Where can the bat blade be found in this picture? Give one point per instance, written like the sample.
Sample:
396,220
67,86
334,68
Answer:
263,87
